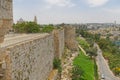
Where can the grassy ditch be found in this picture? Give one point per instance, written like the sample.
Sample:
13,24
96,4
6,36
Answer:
86,64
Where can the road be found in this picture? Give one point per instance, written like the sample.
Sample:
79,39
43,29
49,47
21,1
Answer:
103,67
15,39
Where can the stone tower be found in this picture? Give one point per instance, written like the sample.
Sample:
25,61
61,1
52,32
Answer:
6,17
35,19
70,41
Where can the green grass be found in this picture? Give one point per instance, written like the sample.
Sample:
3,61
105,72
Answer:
86,64
83,43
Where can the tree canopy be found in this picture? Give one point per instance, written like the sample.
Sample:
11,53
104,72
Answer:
26,27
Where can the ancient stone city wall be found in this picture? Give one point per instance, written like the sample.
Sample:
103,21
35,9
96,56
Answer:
30,60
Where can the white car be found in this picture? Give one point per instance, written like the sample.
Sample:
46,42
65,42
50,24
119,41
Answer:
102,76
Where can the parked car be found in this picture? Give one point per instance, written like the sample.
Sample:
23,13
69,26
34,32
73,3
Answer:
102,76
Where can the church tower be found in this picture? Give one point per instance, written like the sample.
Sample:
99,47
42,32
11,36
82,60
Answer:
35,19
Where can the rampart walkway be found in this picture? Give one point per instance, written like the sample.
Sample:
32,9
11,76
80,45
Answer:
18,38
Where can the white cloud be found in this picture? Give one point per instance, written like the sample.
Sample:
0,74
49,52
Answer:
61,3
113,10
95,3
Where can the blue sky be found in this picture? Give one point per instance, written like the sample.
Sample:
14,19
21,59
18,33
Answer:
67,11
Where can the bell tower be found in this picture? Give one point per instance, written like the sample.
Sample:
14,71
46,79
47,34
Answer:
35,19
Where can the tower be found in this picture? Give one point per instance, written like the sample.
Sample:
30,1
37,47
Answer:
6,17
35,19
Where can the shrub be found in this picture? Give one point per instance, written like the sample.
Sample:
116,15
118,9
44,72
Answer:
57,64
32,27
47,28
92,52
77,73
117,70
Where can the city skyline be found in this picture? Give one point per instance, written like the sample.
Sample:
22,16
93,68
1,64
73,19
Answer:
67,11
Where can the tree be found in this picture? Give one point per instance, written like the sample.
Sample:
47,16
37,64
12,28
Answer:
92,52
19,27
97,37
26,27
48,28
32,27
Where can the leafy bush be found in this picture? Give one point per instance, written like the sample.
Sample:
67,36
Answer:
117,70
57,64
32,27
92,52
19,27
47,28
77,73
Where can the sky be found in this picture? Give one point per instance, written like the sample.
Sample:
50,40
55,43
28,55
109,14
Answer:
67,11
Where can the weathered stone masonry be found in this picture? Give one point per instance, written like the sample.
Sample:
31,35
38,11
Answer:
59,42
30,60
6,17
70,40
